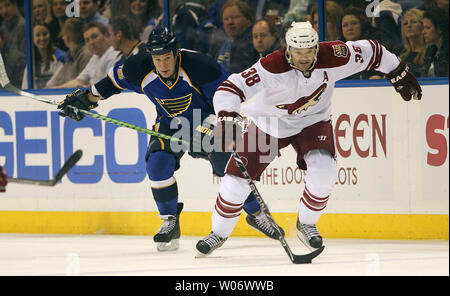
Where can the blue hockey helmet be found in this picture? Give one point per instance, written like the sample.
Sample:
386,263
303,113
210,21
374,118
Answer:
162,41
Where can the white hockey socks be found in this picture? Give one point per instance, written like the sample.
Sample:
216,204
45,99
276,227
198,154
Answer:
320,180
229,205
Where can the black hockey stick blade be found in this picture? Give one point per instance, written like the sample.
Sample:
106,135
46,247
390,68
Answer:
68,165
307,258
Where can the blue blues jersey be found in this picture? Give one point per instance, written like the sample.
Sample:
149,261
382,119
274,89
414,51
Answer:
198,76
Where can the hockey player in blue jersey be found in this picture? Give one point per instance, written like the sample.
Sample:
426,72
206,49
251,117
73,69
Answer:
180,83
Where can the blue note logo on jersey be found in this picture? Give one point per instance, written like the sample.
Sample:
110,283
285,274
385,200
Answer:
175,107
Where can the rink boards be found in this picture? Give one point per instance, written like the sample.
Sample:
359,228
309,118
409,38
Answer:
392,170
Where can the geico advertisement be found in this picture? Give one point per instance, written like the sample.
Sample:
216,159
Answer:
392,156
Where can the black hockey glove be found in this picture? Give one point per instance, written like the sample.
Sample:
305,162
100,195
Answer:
405,83
74,102
203,138
228,132
3,180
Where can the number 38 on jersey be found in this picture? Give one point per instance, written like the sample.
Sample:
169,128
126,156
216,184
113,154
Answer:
251,77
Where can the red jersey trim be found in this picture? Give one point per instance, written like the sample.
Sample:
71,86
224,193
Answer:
232,88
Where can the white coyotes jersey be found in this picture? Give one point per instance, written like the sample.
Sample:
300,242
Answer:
281,101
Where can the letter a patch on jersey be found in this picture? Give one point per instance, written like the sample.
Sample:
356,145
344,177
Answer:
340,50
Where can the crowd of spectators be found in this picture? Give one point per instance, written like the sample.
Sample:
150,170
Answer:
79,51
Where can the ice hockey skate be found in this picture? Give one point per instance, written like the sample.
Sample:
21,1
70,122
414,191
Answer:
207,245
262,224
168,236
309,235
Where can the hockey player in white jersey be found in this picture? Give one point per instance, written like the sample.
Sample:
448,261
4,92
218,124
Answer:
294,86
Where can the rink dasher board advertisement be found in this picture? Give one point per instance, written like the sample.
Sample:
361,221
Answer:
392,157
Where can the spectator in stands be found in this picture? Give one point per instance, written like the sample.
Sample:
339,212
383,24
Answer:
41,12
89,12
114,8
13,41
145,13
211,32
59,17
435,32
214,16
103,57
333,14
185,25
237,53
414,47
77,57
265,37
47,58
356,26
124,36
386,21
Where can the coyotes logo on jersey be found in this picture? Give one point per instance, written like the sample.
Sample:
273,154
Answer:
304,102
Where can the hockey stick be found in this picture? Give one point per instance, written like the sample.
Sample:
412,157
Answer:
5,83
68,165
13,89
296,259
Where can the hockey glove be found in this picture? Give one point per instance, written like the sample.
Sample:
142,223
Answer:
203,138
228,132
3,180
405,83
74,102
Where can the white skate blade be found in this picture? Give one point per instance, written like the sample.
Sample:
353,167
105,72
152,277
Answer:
201,255
173,245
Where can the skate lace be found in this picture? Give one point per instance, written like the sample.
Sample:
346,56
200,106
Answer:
264,224
168,225
213,240
310,230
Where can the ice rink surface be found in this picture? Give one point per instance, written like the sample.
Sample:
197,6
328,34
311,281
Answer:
122,255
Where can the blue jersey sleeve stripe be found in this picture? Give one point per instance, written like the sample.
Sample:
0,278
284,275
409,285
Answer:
111,76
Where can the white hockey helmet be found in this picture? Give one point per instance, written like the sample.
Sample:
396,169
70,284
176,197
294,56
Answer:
301,35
